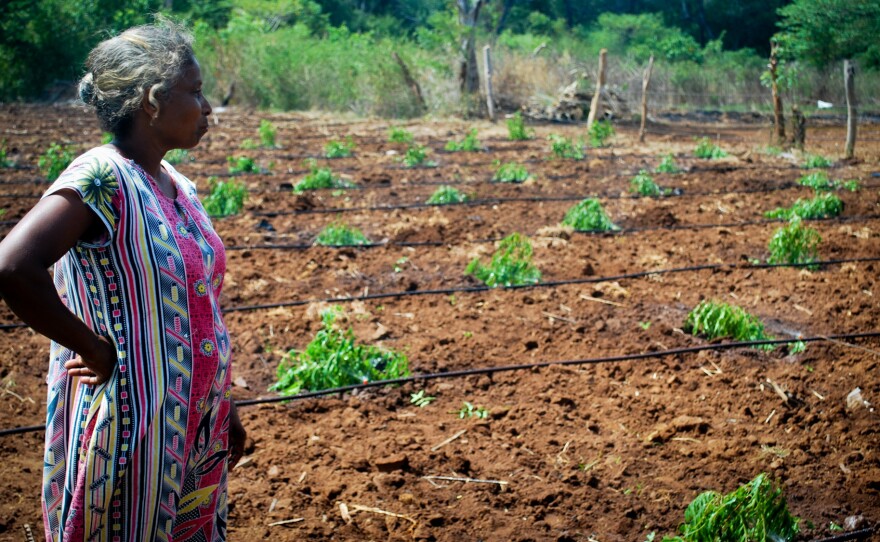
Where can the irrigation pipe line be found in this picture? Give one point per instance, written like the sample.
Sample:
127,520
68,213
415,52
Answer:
518,367
852,535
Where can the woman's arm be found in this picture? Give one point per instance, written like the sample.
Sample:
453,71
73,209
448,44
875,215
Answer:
39,240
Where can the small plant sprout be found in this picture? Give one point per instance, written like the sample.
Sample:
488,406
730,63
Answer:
241,164
643,184
816,161
226,198
755,512
470,143
337,234
320,178
55,160
707,150
417,156
339,149
397,134
588,215
446,195
334,359
267,134
822,206
794,244
421,399
796,347
398,265
468,410
565,149
833,527
511,264
715,320
178,156
516,128
600,132
645,326
668,165
852,185
510,172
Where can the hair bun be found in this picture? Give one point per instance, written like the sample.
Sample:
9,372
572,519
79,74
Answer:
87,90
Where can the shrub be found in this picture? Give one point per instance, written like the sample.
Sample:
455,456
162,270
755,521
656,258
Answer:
511,172
794,244
644,185
516,128
417,155
226,198
822,206
812,161
320,178
177,156
511,264
600,132
707,150
267,134
755,512
715,320
55,160
564,148
337,234
818,181
334,359
397,134
588,215
339,149
241,164
470,143
446,195
668,165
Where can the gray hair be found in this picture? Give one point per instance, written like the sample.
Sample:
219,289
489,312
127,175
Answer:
143,60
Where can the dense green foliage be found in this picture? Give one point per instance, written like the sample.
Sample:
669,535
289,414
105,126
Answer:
668,165
226,197
417,156
755,512
821,206
511,264
267,133
600,132
334,359
566,149
588,215
643,184
823,31
339,149
715,320
470,143
818,181
511,172
241,164
794,244
707,150
55,160
397,134
446,195
516,128
320,178
813,161
337,234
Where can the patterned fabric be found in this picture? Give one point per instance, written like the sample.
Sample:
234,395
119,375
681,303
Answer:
143,456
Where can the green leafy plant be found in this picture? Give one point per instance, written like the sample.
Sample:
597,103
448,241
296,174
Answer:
417,155
241,164
510,172
818,181
226,198
446,195
794,244
516,128
835,528
772,150
249,144
565,149
334,359
707,150
643,184
398,265
822,206
4,160
511,264
668,165
715,320
397,134
812,161
337,234
588,215
470,143
852,185
421,399
339,149
320,178
645,325
55,160
755,512
267,134
600,132
797,347
106,137
178,156
468,410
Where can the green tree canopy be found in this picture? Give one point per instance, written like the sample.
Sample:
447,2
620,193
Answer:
824,31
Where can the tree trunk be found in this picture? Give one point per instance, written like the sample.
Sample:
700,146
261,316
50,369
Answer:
469,76
778,113
646,80
798,128
600,82
410,81
849,73
505,11
487,66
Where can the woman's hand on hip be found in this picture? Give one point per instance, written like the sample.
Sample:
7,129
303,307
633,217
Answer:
237,437
96,367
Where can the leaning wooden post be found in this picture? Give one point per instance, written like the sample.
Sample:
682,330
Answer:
849,71
778,114
410,81
646,80
798,128
600,82
487,67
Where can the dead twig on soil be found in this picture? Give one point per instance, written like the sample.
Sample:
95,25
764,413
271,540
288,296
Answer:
560,318
286,522
779,391
359,508
465,480
599,300
450,439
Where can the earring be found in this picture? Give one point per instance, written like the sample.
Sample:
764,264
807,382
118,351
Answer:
152,120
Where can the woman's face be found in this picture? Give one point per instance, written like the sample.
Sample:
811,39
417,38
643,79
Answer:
183,114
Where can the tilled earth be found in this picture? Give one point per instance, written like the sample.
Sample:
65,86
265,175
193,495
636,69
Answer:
600,451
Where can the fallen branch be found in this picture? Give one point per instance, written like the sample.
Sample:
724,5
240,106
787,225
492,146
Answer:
286,522
560,318
359,508
450,439
465,480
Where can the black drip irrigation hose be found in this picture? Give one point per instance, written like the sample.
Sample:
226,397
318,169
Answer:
852,535
517,367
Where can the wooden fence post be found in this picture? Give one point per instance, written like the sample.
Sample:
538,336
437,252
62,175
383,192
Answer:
778,114
487,66
798,128
410,81
849,70
646,80
600,82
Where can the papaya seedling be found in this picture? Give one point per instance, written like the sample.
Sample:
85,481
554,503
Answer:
55,160
337,234
708,150
510,172
643,184
226,198
339,149
468,410
249,144
421,399
564,148
267,133
588,215
816,161
794,244
241,164
470,143
822,206
511,264
396,134
715,320
178,156
446,195
818,181
516,128
320,178
417,156
668,165
599,133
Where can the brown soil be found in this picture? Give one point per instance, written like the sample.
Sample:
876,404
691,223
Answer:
600,452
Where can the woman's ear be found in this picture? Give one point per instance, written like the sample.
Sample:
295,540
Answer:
150,103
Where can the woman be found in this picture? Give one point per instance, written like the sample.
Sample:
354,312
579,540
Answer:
141,425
